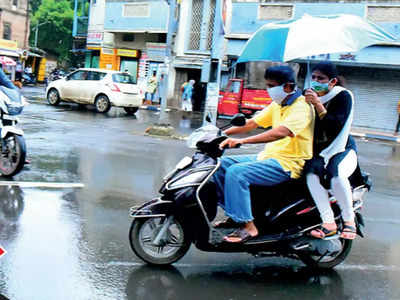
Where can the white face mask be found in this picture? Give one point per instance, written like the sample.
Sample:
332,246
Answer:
277,94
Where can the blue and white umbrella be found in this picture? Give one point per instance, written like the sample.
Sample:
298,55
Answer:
307,36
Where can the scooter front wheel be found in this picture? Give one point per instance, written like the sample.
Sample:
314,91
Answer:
12,158
159,241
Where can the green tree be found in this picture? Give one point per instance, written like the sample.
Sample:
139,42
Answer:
55,36
35,5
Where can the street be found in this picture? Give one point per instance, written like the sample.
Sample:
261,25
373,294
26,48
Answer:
72,243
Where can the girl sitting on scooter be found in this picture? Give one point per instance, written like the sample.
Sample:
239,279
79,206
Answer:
335,155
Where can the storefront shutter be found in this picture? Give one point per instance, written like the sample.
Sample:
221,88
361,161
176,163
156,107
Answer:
377,92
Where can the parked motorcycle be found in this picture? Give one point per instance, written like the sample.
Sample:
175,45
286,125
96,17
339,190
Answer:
28,79
56,74
12,142
163,229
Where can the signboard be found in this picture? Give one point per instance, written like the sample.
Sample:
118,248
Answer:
107,51
163,69
2,251
127,52
211,107
156,51
94,37
8,45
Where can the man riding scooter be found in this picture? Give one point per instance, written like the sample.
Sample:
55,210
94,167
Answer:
288,146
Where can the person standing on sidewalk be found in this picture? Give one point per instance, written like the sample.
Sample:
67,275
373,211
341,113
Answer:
152,87
187,95
396,131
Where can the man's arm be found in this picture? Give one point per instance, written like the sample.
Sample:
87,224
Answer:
268,136
265,137
250,125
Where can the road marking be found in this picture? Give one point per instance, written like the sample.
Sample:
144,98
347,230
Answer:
340,267
28,184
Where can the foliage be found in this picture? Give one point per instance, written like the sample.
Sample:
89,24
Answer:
35,5
55,33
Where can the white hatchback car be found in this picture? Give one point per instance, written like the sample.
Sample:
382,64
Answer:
103,88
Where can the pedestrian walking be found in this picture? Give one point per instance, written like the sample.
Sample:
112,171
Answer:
187,95
396,131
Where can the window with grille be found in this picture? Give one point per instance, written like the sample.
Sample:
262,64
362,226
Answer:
15,3
7,31
211,25
195,28
198,25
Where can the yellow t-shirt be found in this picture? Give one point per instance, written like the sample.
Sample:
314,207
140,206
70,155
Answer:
291,152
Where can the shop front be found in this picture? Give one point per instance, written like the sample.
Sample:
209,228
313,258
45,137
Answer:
9,49
128,61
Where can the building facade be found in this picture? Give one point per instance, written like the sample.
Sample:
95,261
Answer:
372,73
210,35
14,27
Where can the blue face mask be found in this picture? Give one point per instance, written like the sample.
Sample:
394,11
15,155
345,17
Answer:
319,87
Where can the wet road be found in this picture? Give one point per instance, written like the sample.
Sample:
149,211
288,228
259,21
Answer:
73,243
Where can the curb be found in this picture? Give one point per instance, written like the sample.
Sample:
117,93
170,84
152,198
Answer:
376,136
153,108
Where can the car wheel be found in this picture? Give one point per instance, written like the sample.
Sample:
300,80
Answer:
102,104
53,97
131,110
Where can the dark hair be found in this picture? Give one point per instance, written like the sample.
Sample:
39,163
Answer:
281,74
329,69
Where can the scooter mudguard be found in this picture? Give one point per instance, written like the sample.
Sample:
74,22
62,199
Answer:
153,209
10,129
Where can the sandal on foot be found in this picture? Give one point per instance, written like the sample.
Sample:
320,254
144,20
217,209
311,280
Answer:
227,223
322,232
241,234
349,232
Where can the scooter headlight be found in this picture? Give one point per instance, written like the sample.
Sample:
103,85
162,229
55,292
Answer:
191,179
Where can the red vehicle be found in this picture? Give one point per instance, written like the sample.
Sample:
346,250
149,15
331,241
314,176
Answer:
238,99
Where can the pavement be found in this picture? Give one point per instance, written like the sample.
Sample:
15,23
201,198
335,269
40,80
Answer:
374,134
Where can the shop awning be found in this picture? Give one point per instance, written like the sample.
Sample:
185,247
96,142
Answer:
9,53
34,54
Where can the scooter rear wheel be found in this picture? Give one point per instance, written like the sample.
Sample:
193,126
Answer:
12,159
328,262
173,245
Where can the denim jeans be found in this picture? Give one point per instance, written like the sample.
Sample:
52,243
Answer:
4,81
233,180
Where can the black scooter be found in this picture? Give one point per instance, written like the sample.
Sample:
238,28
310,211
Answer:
164,228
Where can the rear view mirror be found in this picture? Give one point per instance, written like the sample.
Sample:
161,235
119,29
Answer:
238,120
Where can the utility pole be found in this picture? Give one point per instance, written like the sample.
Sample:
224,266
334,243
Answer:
217,53
37,31
168,60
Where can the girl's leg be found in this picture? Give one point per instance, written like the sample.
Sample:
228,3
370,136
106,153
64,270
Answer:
341,186
321,198
342,190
